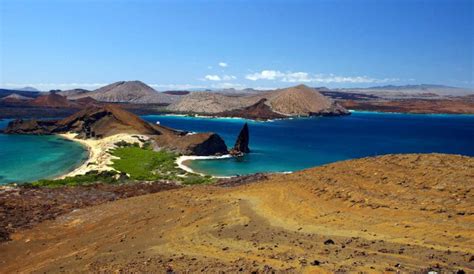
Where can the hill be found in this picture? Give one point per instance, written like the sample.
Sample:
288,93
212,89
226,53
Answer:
106,120
295,101
124,92
31,94
411,91
257,111
15,98
29,89
52,100
394,213
201,102
302,100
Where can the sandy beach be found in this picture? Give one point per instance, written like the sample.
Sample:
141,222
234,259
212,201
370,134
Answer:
98,158
182,159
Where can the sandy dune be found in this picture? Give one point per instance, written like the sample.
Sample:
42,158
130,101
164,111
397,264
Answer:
396,212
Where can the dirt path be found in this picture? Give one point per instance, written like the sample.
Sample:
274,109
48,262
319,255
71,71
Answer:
410,212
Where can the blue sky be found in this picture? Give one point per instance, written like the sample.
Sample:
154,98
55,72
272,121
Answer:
196,44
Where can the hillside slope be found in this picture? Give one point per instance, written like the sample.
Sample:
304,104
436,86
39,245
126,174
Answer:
294,101
392,213
99,121
302,100
209,103
124,92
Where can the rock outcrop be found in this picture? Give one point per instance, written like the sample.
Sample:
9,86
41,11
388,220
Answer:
101,121
257,111
242,143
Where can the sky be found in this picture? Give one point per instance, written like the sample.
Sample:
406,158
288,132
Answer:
222,44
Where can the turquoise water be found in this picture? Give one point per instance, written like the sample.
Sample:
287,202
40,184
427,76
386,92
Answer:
289,145
278,146
25,158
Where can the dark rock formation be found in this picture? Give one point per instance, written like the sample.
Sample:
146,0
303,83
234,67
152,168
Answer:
101,121
257,111
334,110
242,143
241,180
211,145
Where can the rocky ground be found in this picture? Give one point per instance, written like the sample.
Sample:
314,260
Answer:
24,207
389,213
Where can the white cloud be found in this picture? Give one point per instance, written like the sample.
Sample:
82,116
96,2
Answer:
227,85
265,75
214,77
223,64
211,77
228,77
305,77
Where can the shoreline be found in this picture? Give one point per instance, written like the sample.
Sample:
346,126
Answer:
180,161
98,159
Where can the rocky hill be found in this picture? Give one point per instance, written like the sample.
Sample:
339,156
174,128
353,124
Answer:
295,101
303,101
257,111
209,103
102,121
15,98
124,92
395,213
52,100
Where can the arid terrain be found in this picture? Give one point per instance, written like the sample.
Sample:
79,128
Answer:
388,213
420,106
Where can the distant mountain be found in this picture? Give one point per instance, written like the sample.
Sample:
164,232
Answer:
15,98
294,101
302,100
52,100
125,92
209,103
73,92
31,94
392,91
257,111
28,89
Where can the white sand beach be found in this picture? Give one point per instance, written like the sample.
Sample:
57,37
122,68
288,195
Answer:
99,159
182,159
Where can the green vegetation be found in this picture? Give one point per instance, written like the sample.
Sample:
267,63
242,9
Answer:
135,163
144,164
108,177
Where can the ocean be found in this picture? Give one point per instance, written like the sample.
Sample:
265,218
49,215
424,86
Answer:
300,143
26,158
276,146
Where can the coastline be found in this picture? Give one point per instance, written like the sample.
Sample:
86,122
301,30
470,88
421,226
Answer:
180,161
99,159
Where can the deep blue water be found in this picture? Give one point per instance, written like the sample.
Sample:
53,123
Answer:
25,158
289,145
284,145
